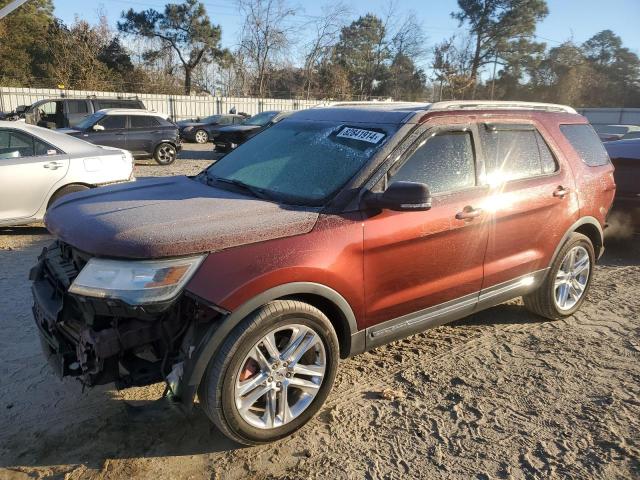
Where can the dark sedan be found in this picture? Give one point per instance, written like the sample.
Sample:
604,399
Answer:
625,156
202,130
228,138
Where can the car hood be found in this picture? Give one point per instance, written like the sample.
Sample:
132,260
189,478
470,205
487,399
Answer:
189,124
171,216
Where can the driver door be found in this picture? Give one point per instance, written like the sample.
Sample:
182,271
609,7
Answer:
114,133
422,265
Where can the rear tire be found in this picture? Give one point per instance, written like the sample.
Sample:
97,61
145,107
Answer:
165,154
294,391
201,136
565,286
66,191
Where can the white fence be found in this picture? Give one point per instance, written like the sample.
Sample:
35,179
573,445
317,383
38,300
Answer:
612,116
177,106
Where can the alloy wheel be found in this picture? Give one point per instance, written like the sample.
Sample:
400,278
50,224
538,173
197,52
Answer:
280,376
166,153
201,136
572,278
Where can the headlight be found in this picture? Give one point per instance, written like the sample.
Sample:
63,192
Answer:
135,282
187,129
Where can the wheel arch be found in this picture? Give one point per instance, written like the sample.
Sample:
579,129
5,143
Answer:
588,226
327,300
62,187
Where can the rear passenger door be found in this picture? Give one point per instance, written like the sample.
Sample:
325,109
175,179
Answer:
532,200
142,134
417,260
29,169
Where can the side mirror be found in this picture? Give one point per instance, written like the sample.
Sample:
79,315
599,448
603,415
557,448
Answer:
97,128
400,196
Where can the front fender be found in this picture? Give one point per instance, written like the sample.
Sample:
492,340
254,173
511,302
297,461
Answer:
211,341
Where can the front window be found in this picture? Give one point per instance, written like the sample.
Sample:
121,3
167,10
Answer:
260,119
301,163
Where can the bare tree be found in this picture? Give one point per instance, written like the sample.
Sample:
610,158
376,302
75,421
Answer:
452,62
326,29
265,35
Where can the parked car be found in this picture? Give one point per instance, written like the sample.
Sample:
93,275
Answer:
608,133
39,166
228,138
68,112
625,156
201,131
141,132
15,114
335,231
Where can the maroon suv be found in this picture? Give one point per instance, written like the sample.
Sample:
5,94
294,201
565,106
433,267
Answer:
337,230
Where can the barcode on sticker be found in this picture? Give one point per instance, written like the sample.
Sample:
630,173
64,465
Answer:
360,134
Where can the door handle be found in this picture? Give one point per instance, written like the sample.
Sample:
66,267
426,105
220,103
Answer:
560,192
52,165
469,213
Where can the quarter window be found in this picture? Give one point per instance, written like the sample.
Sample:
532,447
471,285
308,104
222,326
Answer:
586,142
445,162
516,154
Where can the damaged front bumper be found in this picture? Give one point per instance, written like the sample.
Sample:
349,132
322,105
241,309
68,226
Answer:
99,340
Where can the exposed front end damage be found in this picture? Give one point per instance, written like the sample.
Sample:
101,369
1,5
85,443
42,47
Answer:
101,340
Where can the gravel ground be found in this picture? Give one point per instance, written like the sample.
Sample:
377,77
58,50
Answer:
501,394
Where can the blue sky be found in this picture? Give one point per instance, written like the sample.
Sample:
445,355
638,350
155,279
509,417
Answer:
577,19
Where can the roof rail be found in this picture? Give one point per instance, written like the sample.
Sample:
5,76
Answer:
499,105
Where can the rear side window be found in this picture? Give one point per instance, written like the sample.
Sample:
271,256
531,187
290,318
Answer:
445,163
514,154
586,142
14,144
77,106
141,121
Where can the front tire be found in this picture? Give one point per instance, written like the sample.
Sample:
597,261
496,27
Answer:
567,282
272,373
165,154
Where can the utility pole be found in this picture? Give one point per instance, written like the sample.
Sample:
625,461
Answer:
7,9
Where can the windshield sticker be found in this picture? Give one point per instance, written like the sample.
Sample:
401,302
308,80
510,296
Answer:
368,136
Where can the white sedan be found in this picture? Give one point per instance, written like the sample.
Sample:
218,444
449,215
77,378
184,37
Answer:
38,166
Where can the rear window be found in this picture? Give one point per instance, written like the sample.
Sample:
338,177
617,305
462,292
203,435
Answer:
586,142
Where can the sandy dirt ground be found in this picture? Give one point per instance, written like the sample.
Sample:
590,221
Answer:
499,395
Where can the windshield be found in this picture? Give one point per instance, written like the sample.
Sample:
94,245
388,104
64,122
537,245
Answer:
301,162
260,119
89,120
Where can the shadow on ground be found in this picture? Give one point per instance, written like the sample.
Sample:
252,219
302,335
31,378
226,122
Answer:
136,429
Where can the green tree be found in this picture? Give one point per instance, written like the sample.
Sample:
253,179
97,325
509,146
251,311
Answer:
617,68
362,50
495,24
184,28
21,34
